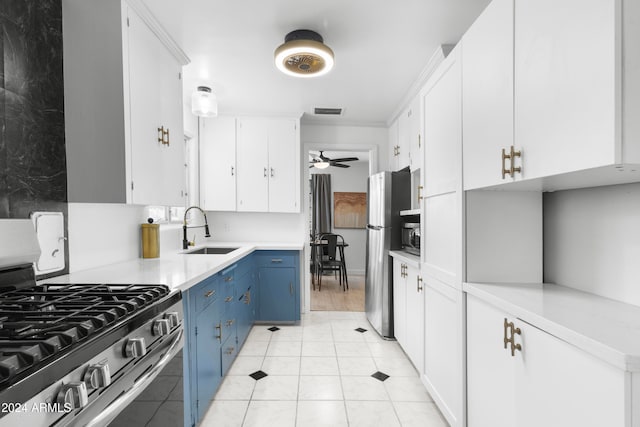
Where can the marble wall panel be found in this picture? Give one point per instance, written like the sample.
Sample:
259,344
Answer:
32,147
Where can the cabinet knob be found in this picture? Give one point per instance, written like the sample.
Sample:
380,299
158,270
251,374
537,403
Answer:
135,347
97,376
73,394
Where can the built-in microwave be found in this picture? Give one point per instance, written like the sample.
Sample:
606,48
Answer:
411,237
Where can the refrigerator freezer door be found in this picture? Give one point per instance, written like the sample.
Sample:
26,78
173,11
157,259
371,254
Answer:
379,199
378,298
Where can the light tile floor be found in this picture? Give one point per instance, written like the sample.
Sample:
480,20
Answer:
319,374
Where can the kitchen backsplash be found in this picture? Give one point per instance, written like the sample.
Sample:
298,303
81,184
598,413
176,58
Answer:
33,173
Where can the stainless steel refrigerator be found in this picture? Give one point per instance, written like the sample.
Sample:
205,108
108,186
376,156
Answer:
388,194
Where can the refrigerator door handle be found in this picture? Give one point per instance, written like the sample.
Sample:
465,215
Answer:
374,227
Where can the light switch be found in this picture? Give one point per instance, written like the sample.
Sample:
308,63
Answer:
50,232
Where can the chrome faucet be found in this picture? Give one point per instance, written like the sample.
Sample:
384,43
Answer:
185,241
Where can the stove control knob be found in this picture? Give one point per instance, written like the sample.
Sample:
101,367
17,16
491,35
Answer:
73,395
135,347
173,318
97,376
161,327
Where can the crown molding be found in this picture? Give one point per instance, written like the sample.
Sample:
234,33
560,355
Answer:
156,28
436,59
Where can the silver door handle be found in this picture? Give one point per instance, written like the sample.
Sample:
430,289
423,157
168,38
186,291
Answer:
265,172
232,170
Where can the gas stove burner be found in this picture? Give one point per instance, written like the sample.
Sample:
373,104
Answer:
41,322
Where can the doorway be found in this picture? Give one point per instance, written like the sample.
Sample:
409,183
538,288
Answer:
348,180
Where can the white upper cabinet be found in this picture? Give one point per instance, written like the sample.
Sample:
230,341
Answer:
487,94
218,163
552,84
268,165
123,105
404,138
157,137
393,146
443,128
565,85
415,134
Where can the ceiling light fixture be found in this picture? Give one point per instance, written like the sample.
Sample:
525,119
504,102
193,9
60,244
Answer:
303,54
321,165
204,103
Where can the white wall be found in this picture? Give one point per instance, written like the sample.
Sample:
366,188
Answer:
353,179
592,240
255,226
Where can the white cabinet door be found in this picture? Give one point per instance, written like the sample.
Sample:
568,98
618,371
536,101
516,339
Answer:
565,100
443,344
393,146
443,128
487,94
404,138
284,164
155,101
399,303
547,382
559,385
253,168
415,134
144,90
491,399
173,173
414,345
218,163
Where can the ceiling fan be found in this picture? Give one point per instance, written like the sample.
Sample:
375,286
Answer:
321,161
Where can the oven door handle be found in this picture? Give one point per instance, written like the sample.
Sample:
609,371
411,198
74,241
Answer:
111,411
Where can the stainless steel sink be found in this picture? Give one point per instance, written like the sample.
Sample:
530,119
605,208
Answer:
211,251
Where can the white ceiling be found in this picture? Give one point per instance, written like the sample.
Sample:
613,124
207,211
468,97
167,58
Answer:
380,48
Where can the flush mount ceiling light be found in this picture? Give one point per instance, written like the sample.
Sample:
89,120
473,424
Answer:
204,102
303,54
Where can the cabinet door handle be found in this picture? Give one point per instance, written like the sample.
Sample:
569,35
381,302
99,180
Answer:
210,293
511,339
265,172
418,283
229,350
219,334
272,173
232,170
276,260
228,299
506,340
512,156
420,188
228,279
290,288
505,156
230,322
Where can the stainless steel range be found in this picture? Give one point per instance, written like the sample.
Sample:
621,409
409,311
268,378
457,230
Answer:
77,354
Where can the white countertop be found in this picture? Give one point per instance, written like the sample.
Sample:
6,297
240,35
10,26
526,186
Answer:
412,259
176,270
605,328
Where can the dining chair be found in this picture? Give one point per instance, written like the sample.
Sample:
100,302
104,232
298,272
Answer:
331,258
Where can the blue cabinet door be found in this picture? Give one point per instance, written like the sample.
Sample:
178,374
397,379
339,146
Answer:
278,294
207,354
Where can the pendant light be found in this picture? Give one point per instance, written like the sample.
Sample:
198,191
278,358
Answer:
204,102
303,54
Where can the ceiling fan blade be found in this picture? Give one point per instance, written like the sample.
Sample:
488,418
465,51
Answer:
345,159
339,165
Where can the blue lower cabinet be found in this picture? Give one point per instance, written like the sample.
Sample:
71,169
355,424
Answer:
219,313
279,286
207,359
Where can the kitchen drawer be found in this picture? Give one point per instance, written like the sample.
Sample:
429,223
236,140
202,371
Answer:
206,292
276,259
229,350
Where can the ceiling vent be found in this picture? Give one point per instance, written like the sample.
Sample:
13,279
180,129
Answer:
320,111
